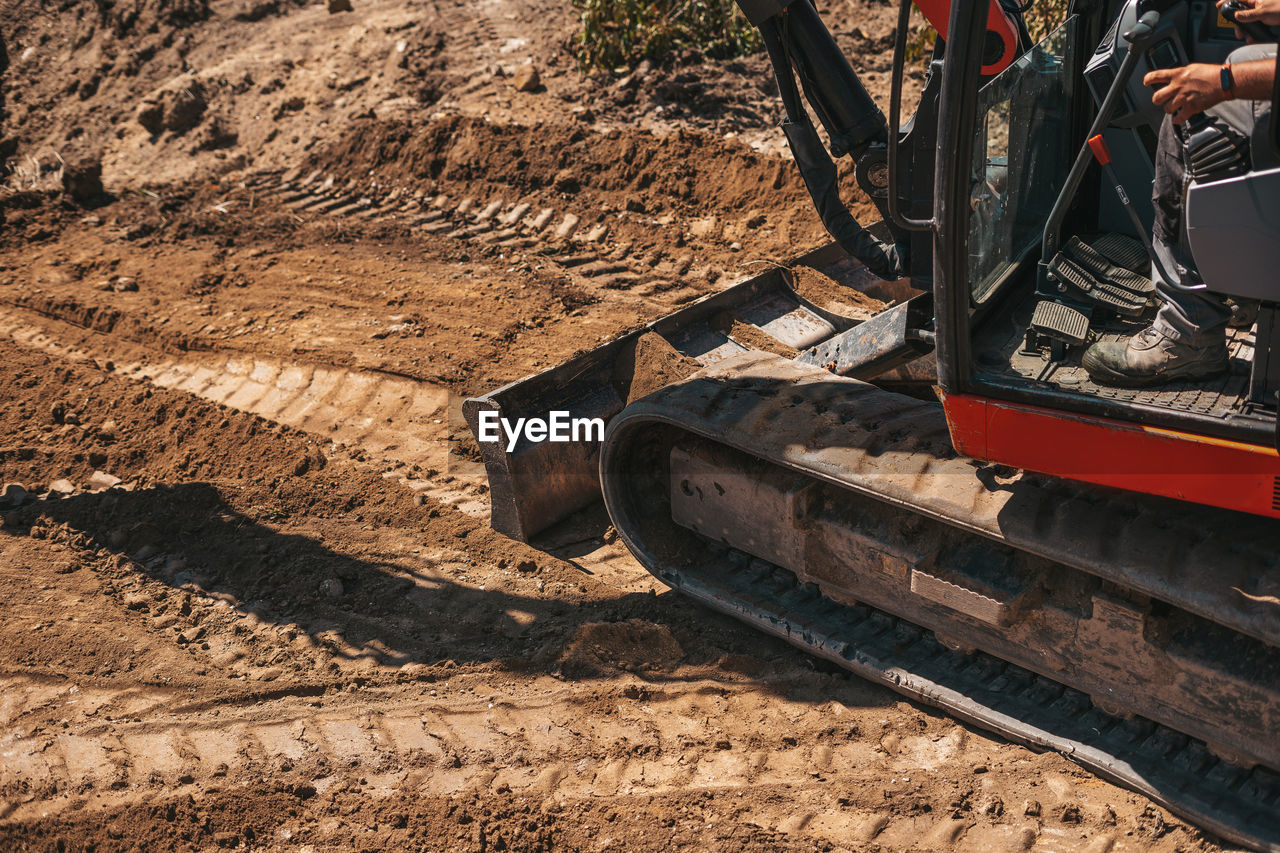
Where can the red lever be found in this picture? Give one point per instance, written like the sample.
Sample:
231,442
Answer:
1098,146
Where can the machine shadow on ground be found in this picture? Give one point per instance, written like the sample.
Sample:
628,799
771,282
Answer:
391,614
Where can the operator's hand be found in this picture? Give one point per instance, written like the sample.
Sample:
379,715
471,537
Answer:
1263,11
1188,90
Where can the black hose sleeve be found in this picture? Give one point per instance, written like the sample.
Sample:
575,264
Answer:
820,177
819,172
780,59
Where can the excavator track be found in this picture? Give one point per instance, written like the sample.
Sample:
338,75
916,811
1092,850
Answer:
1138,636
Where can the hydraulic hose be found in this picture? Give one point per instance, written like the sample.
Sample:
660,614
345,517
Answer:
854,123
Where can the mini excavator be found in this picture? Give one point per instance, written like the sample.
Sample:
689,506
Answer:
938,498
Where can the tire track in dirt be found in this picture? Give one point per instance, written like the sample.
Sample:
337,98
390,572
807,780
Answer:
560,236
681,738
397,420
406,423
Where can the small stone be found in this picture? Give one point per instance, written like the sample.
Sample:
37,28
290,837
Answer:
101,481
336,6
1032,809
125,284
109,431
566,181
526,566
191,634
15,494
63,487
82,180
526,78
92,220
331,587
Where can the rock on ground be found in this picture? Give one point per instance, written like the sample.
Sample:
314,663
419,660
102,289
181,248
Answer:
82,180
526,78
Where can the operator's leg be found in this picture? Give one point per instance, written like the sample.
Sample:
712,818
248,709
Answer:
1199,318
1196,319
1188,338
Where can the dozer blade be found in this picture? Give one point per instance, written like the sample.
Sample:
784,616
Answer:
1139,636
535,484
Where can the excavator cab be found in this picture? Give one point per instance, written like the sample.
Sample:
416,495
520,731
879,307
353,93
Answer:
936,497
1039,258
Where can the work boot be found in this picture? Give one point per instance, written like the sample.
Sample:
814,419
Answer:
1150,358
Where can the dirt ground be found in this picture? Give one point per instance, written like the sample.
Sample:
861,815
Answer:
248,594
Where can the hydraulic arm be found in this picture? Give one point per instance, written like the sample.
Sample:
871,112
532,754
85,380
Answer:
800,46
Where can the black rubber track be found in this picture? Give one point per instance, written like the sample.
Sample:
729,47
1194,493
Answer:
1242,806
860,437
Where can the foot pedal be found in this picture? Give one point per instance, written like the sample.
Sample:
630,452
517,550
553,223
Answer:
1058,325
1123,251
1082,268
1103,269
1071,275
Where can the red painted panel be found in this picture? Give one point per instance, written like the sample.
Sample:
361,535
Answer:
1156,461
938,13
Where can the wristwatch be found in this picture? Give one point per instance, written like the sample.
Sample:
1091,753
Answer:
1228,81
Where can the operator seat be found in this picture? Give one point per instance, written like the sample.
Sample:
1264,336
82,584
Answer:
1234,228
